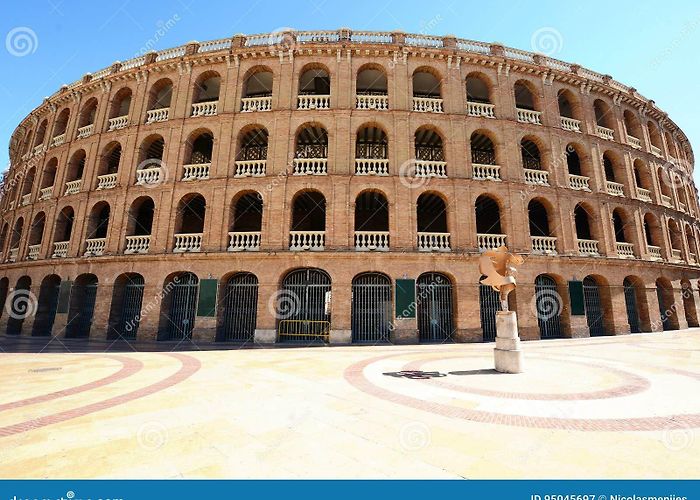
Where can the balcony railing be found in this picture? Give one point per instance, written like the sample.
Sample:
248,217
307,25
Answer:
188,242
33,252
372,240
85,131
195,171
605,133
26,198
375,102
106,181
244,241
137,244
148,176
45,193
58,140
313,101
307,240
615,188
546,245
634,142
250,168
570,124
250,104
655,151
433,242
428,168
644,194
588,248
666,201
427,104
204,108
536,177
654,252
490,241
529,116
371,166
117,122
310,166
73,187
625,250
482,172
579,182
157,115
481,109
60,249
12,257
676,255
94,247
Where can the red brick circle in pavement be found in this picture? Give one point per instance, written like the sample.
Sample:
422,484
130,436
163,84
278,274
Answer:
354,375
634,384
129,367
188,366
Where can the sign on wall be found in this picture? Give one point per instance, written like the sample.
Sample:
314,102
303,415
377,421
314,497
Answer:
207,297
578,305
405,298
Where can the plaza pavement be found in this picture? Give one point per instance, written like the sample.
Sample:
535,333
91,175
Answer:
610,407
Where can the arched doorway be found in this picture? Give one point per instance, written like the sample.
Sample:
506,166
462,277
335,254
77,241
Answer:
19,306
46,308
594,307
691,314
548,303
632,306
125,314
82,306
371,308
178,314
240,308
434,303
304,306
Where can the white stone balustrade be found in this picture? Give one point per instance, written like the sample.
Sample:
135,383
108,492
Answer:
634,142
85,131
33,252
12,256
605,133
625,250
38,149
58,140
307,240
148,176
157,115
433,242
26,198
481,109
676,255
106,181
45,193
579,182
490,241
94,247
588,248
251,104
137,244
427,168
371,166
117,122
375,102
313,101
666,201
615,188
654,252
188,242
73,187
310,166
60,249
570,124
372,240
427,104
644,194
204,108
529,116
536,177
546,245
244,241
195,171
655,151
692,258
681,206
481,172
250,168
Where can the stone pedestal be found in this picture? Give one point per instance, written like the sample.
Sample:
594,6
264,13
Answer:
507,354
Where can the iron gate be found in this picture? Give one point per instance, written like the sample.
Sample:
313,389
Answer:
183,307
548,303
82,308
130,314
46,309
489,304
19,308
594,309
240,309
664,310
631,306
371,308
434,304
302,306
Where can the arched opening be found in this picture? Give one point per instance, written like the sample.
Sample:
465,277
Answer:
28,185
63,228
573,161
76,167
87,117
308,221
48,177
311,151
692,247
189,223
667,304
632,304
97,229
59,129
160,95
434,303
371,308
540,233
371,151
671,146
620,227
16,238
633,128
237,317
624,230
614,174
524,96
148,171
371,221
125,312
372,88
655,138
36,235
201,147
430,154
548,306
41,134
245,224
431,219
257,90
488,223
604,119
309,293
315,81
595,316
19,306
109,166
483,151
251,158
4,288
82,306
569,108
676,238
426,85
47,305
530,155
119,108
664,184
478,89
642,180
582,223
691,314
653,235
206,90
179,306
139,225
3,236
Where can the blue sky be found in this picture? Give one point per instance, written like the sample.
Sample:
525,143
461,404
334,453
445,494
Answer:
640,44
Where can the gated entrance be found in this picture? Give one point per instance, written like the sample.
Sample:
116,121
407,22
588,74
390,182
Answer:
179,320
46,308
549,304
665,306
489,304
631,305
594,308
434,304
371,308
129,303
240,306
304,306
19,306
82,306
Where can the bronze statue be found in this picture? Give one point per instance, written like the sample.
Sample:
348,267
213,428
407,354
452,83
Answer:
499,267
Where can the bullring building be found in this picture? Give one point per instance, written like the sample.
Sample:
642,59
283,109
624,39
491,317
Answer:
339,186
